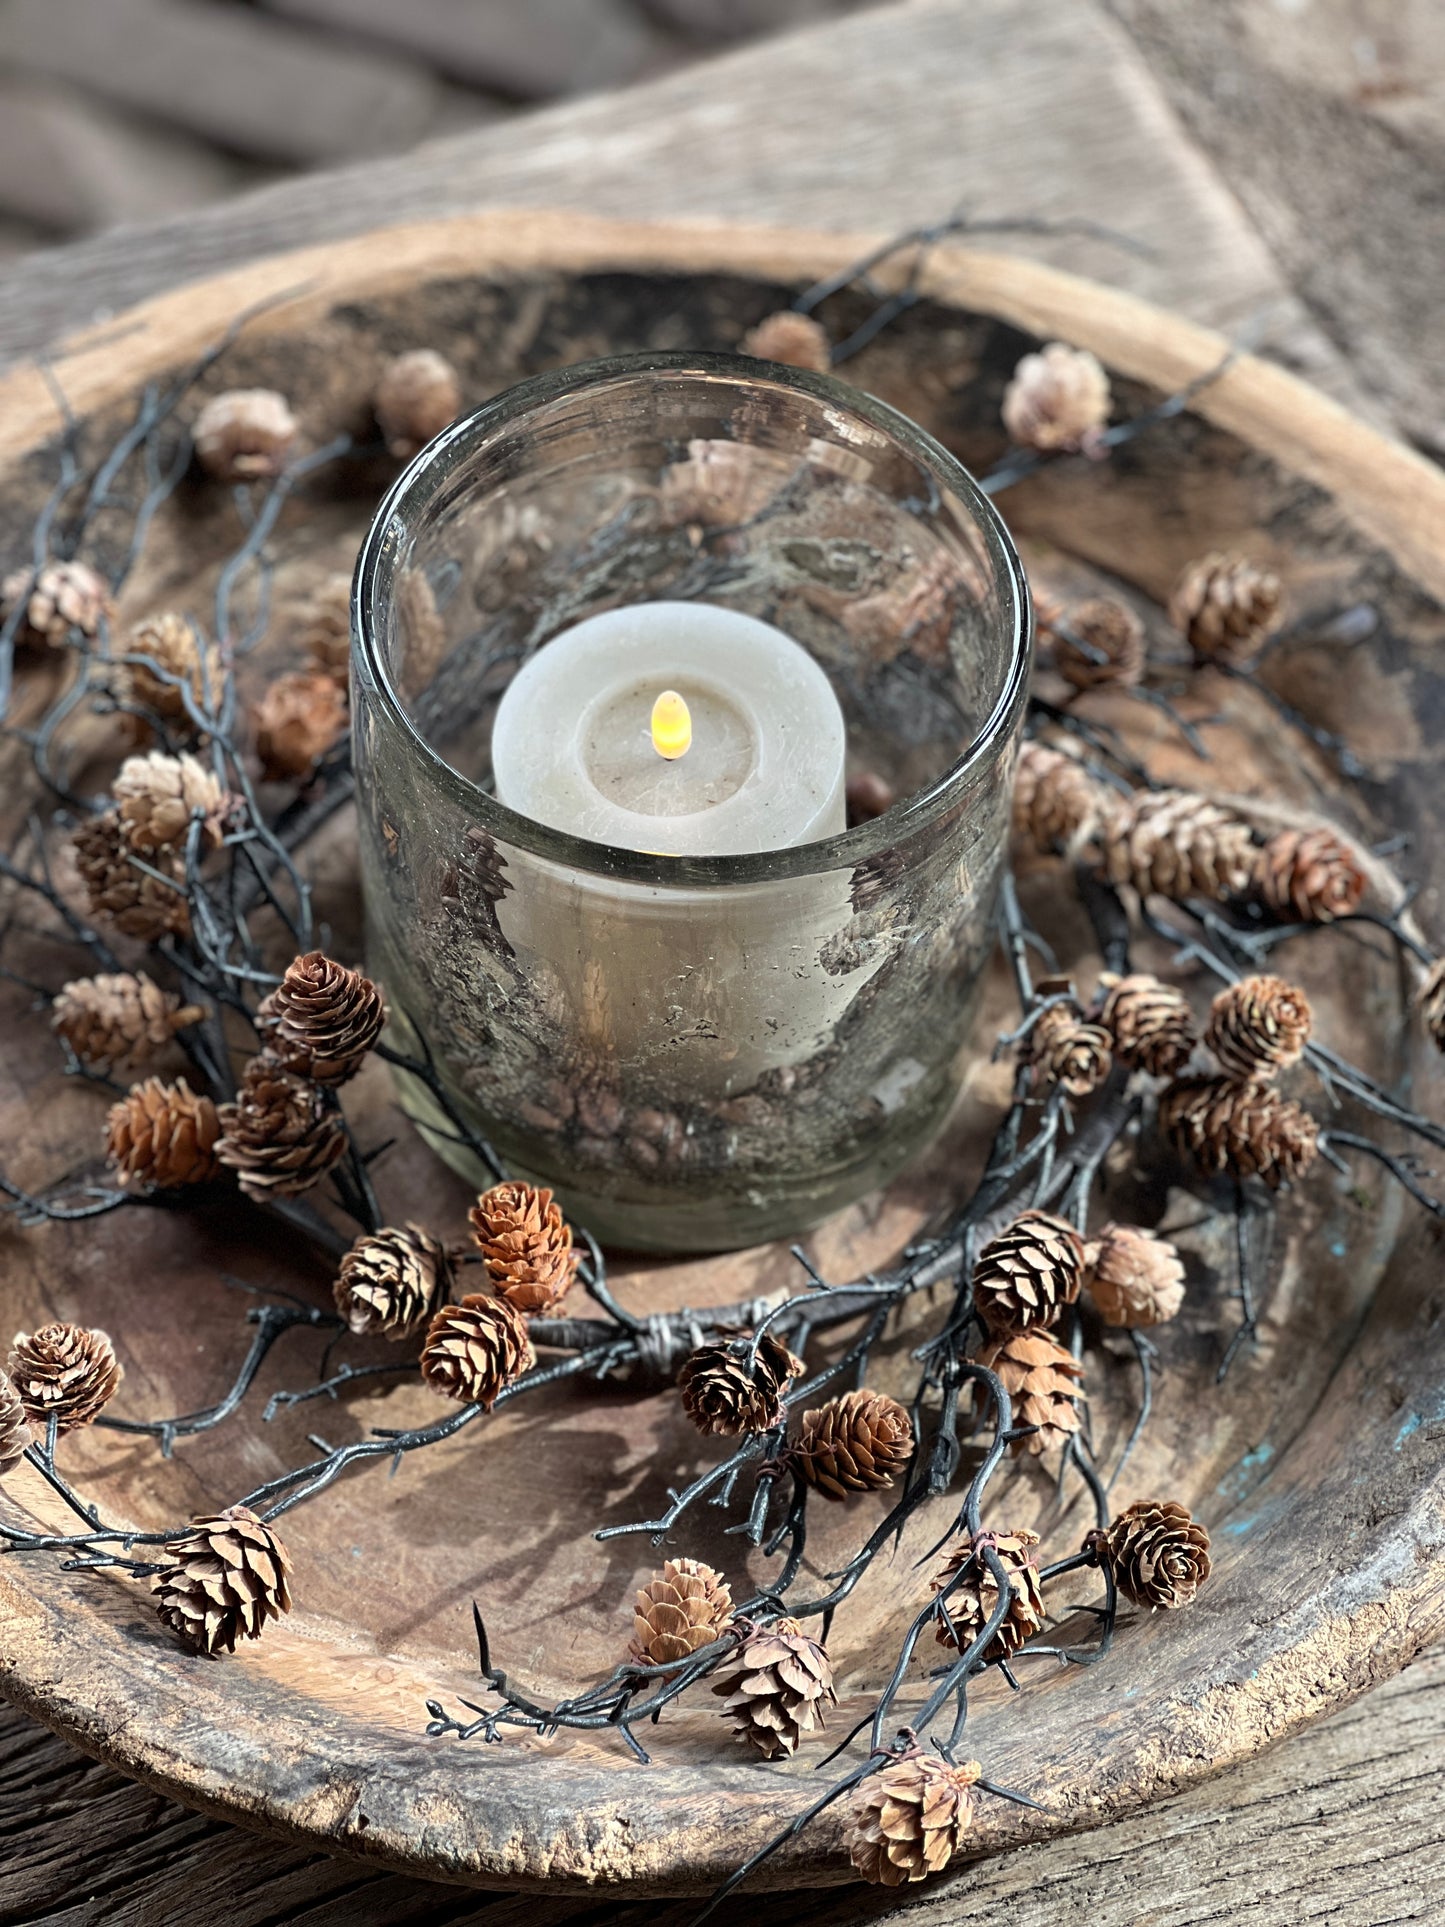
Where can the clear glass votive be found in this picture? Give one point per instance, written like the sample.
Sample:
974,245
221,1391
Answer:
697,1052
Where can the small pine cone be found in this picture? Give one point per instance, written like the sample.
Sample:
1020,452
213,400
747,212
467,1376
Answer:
228,1576
1172,843
139,905
1134,1277
727,1389
15,1434
911,1818
244,435
854,1443
157,796
775,1688
62,597
1100,643
1070,1052
1259,1026
1308,875
162,1136
1042,1378
118,1022
796,340
1244,1130
526,1244
282,1134
1027,1274
1058,400
969,1607
685,1607
417,396
322,1018
326,628
1055,799
298,718
1226,607
1158,1554
476,1349
63,1372
391,1280
184,663
1432,1002
1149,1023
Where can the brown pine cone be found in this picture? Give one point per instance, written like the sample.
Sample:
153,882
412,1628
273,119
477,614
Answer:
322,1018
157,796
1244,1130
1042,1377
1134,1277
325,633
228,1576
180,662
1149,1023
1027,1274
1226,607
1432,1002
526,1244
1056,801
776,1687
282,1134
417,396
62,597
1057,400
1069,1051
685,1607
390,1280
728,1388
476,1349
1158,1554
63,1372
1259,1026
969,1607
1100,642
910,1819
1308,875
797,340
244,434
299,717
161,1136
15,1433
139,905
118,1022
1174,844
854,1443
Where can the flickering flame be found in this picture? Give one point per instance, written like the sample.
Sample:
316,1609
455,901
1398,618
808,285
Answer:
671,726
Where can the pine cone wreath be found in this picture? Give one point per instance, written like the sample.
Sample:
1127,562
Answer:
1027,1274
911,1818
325,634
417,396
1242,1130
1172,843
734,1386
1069,1051
1259,1026
138,904
1150,1024
161,1136
1134,1277
1057,400
282,1134
968,1608
1158,1554
476,1349
299,717
322,1019
158,796
1432,1002
1056,801
228,1575
15,1433
1308,876
244,435
1041,1377
59,598
179,664
526,1245
796,340
116,1023
391,1280
68,1373
854,1443
1226,608
1099,643
776,1688
684,1608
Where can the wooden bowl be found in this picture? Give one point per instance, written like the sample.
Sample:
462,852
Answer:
1317,1465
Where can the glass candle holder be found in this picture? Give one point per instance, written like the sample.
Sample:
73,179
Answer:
696,1051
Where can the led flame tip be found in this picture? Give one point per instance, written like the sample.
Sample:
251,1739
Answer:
671,726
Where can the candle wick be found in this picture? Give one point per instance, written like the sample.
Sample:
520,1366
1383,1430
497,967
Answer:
671,726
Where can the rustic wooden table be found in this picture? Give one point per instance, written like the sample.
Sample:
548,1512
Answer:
1167,128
